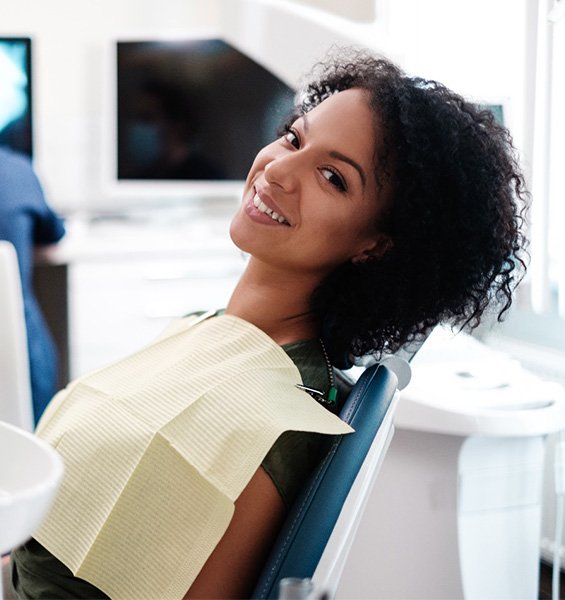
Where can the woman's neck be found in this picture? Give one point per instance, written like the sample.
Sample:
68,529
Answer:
275,301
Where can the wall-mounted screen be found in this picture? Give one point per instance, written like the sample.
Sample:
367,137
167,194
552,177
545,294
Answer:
498,112
15,94
193,110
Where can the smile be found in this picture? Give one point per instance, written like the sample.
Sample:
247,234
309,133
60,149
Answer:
263,208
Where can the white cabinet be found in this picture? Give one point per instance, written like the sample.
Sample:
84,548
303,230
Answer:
117,306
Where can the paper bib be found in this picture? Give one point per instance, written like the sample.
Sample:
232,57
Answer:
157,448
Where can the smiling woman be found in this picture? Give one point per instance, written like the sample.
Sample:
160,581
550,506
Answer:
387,204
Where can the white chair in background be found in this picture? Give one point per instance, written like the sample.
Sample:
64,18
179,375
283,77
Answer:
30,474
15,388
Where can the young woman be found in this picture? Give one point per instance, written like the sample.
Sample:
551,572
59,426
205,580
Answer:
387,205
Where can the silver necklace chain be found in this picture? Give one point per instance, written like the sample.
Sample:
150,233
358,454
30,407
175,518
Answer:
319,395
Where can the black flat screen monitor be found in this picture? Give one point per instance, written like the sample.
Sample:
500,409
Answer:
15,94
193,110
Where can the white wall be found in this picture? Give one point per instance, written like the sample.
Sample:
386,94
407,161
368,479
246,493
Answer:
477,47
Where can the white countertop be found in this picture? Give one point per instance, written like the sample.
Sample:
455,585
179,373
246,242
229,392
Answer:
181,231
460,386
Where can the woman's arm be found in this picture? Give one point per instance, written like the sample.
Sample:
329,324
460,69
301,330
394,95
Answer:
235,565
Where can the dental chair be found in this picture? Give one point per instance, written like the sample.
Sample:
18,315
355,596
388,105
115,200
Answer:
15,388
318,533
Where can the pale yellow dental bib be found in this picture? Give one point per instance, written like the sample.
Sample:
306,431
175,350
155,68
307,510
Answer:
157,448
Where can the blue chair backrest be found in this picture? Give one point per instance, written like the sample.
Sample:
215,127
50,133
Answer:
311,520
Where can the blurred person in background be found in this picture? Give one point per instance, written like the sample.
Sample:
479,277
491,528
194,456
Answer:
27,221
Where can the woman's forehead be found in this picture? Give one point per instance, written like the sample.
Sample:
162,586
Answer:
347,113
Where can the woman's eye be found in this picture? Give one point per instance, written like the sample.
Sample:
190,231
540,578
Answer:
334,178
292,138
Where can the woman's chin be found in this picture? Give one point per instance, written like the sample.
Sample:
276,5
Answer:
238,236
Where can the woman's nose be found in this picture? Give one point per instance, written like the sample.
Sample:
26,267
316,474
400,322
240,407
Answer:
284,172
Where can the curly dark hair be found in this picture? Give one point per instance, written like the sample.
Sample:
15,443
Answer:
454,220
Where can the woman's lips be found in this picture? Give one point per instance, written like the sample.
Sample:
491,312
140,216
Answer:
259,209
262,207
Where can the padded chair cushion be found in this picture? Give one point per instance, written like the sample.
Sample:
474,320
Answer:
308,527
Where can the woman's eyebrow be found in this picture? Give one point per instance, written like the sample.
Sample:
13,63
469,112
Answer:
339,155
350,161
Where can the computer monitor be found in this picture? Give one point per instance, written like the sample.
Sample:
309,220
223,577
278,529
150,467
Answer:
192,112
15,94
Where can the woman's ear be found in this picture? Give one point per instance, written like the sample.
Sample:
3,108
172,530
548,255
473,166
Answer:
376,250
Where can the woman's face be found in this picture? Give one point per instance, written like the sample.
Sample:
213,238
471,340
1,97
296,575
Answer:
310,200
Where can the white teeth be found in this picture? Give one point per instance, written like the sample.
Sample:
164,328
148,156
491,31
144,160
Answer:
262,207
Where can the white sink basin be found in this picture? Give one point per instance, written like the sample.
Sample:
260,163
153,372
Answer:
30,473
